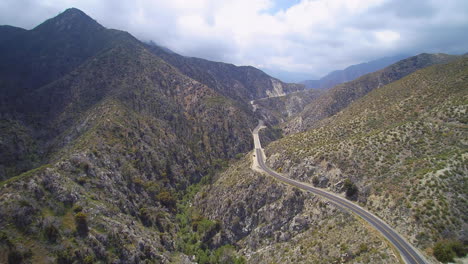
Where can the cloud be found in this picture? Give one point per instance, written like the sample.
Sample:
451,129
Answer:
309,36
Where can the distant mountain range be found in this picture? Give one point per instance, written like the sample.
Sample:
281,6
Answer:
340,96
350,73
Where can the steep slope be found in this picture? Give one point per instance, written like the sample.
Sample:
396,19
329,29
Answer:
342,95
399,151
350,73
276,110
243,83
38,57
115,140
51,50
274,223
32,59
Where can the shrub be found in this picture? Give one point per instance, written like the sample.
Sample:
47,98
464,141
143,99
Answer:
145,216
166,199
363,248
350,187
82,224
19,255
315,180
77,208
51,232
446,250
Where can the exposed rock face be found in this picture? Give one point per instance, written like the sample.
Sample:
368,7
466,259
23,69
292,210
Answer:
243,83
272,222
276,110
277,89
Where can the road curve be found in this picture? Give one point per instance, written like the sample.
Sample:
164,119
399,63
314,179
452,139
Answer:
409,254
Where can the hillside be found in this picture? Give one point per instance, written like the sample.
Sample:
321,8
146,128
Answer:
340,96
243,83
399,151
33,58
350,73
274,223
279,109
100,139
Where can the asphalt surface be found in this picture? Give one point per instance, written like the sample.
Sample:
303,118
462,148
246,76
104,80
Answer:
409,254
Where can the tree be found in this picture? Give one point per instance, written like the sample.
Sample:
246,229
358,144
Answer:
446,250
166,199
82,224
351,188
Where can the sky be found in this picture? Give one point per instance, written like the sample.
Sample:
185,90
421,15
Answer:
292,39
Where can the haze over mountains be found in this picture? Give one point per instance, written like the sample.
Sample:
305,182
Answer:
113,150
350,73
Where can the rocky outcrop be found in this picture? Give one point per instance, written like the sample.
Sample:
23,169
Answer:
272,222
244,83
276,110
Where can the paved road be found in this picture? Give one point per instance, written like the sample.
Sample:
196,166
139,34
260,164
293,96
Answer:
409,253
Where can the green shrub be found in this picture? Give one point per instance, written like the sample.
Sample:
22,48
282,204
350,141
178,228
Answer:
315,180
350,187
166,199
446,250
51,232
77,208
82,224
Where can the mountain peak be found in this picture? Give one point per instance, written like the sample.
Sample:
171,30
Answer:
70,19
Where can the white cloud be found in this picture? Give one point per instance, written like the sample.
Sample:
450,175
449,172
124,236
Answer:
314,36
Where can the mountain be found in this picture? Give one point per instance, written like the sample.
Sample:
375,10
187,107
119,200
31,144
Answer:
243,83
277,110
36,57
352,72
339,97
399,151
287,76
102,136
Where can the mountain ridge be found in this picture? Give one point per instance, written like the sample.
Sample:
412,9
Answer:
351,72
334,100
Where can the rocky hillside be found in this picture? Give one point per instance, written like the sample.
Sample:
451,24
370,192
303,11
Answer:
100,138
244,83
273,223
339,97
399,151
277,110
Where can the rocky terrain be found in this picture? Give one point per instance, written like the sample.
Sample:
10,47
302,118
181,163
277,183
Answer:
117,151
279,109
272,223
101,138
241,83
400,151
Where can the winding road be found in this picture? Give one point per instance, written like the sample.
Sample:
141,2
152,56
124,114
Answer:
409,254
